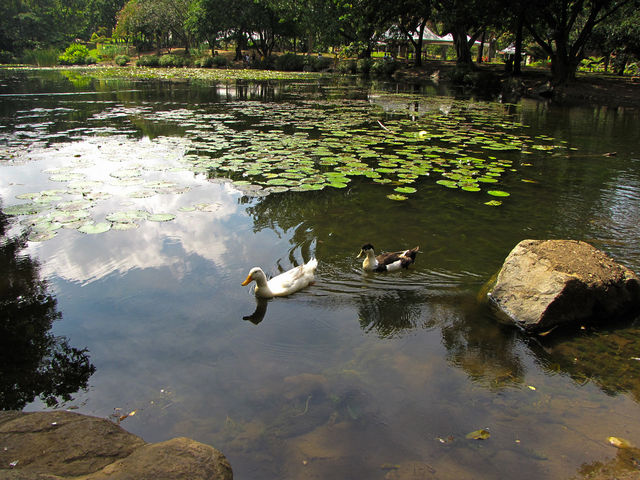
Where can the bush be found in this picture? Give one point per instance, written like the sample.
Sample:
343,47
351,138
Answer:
76,54
384,66
290,62
265,63
41,58
363,66
318,64
148,61
169,60
6,57
220,61
121,60
347,66
203,62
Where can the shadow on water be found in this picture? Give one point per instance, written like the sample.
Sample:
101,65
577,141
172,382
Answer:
606,356
33,362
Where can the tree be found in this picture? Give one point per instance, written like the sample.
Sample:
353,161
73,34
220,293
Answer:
413,16
563,27
465,20
32,361
206,21
618,38
155,21
361,22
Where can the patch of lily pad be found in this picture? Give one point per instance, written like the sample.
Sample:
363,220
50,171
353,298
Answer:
298,145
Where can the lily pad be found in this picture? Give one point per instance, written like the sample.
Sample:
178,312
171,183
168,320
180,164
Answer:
161,217
41,236
93,228
23,209
498,193
448,183
127,216
397,197
406,190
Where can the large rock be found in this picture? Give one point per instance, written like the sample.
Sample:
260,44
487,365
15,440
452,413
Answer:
65,445
546,283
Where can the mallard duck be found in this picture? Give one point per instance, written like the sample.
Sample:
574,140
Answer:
284,284
386,262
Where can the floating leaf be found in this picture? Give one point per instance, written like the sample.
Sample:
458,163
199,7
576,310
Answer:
493,203
41,236
498,193
482,434
395,196
93,228
406,190
128,216
23,209
448,183
161,217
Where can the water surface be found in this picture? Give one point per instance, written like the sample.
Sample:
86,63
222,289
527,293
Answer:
358,376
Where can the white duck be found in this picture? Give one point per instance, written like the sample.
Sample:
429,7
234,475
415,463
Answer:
284,284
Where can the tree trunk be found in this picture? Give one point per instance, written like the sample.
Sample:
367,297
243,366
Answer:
418,44
481,47
241,42
517,58
463,52
563,69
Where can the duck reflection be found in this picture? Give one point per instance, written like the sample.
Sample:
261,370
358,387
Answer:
261,310
33,363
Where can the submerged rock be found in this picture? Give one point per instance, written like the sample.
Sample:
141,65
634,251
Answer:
548,283
61,445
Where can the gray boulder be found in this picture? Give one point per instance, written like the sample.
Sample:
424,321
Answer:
548,283
64,445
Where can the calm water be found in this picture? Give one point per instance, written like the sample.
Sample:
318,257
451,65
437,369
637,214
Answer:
358,376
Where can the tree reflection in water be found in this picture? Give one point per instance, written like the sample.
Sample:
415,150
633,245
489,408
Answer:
33,362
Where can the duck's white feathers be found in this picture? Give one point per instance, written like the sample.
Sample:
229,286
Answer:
386,262
284,284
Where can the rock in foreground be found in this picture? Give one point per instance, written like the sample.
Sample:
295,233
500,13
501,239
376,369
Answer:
64,445
548,283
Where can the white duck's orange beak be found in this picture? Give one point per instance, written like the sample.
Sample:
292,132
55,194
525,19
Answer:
247,280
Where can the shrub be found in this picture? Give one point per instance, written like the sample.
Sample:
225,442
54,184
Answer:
363,66
203,62
265,63
75,54
121,60
171,60
220,61
347,66
148,61
6,57
290,62
41,58
323,63
384,67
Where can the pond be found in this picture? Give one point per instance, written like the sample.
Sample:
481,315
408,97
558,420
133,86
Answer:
144,203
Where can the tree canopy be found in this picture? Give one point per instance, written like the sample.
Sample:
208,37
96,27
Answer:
564,31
